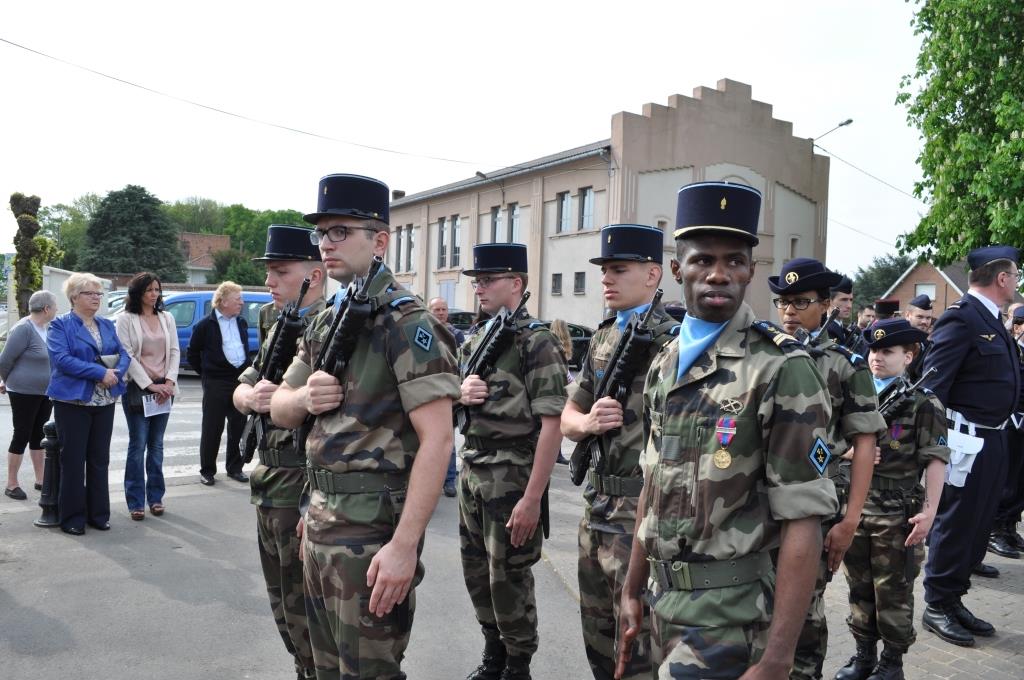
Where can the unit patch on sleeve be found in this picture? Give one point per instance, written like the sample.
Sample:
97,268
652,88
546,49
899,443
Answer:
819,456
423,338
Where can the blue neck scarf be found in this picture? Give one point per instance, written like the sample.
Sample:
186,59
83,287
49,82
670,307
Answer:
695,336
882,383
623,317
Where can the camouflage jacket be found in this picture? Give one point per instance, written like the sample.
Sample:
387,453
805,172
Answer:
276,487
854,402
916,435
403,360
733,449
617,514
529,382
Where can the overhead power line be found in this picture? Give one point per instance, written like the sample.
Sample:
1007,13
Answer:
249,119
861,232
865,172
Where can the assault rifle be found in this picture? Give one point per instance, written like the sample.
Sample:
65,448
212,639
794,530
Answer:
497,338
628,359
897,392
279,356
808,340
343,335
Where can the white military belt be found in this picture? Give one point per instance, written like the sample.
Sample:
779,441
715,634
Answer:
951,415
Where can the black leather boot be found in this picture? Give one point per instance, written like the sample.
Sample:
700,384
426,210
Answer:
941,619
493,662
862,663
517,667
971,622
890,667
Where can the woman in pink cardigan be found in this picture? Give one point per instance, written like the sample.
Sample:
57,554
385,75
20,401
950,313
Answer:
149,335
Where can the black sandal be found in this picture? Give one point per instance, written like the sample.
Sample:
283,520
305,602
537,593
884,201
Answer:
16,493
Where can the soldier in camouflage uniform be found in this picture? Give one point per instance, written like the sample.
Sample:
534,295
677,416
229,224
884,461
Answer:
631,257
803,289
278,479
734,424
510,448
887,550
377,448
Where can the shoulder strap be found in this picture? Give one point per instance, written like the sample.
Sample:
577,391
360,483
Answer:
783,340
855,359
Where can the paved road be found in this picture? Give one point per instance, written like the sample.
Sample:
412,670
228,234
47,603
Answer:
181,596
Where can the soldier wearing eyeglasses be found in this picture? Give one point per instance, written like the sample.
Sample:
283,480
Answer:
803,288
377,449
511,444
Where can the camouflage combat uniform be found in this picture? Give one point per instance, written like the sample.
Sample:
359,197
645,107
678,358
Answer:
854,411
733,450
277,483
881,581
529,382
609,517
360,457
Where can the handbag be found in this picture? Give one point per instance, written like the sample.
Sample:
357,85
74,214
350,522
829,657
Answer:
134,394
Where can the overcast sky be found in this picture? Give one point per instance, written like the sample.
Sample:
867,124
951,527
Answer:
487,84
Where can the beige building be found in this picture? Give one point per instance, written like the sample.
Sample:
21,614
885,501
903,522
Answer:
558,204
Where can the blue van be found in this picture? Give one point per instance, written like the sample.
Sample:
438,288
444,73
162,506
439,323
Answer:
188,308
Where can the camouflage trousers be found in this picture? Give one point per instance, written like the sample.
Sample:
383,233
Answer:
691,652
282,571
812,645
881,594
499,577
349,642
602,565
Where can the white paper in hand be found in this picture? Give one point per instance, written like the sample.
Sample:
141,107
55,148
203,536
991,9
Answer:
150,407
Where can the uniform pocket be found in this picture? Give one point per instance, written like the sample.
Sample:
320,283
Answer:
676,470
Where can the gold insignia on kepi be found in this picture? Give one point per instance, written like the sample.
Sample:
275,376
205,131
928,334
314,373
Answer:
724,203
879,334
792,278
722,459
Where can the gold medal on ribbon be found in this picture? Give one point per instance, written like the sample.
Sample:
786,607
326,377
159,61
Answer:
894,445
722,459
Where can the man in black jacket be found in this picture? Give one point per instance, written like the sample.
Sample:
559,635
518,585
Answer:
219,352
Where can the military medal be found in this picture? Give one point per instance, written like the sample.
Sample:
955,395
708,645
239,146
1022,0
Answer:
894,436
725,430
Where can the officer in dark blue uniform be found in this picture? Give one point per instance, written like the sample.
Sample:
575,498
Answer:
919,314
1004,539
978,380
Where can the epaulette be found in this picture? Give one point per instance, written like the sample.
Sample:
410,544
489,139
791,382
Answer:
607,322
533,325
955,305
781,339
855,359
404,300
674,331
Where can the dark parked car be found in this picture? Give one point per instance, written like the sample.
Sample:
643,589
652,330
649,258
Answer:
188,308
580,334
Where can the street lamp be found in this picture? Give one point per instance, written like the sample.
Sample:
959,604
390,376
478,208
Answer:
501,185
843,124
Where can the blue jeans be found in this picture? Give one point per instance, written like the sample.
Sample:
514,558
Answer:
145,436
452,471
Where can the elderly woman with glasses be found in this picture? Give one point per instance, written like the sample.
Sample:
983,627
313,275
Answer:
87,368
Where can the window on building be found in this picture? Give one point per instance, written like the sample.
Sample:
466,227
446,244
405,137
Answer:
793,241
925,289
456,237
409,245
442,246
579,284
446,290
564,201
398,249
495,223
663,224
514,232
556,284
586,208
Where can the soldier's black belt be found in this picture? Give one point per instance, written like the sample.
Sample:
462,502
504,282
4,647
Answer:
488,444
615,486
715,574
355,482
287,458
886,484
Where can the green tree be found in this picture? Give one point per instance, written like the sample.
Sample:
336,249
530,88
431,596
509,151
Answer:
231,265
130,233
869,283
966,96
32,250
67,225
195,214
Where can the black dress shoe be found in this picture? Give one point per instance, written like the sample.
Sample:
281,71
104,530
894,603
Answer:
986,570
38,486
16,493
100,526
971,622
449,489
206,480
74,531
941,620
1000,545
238,476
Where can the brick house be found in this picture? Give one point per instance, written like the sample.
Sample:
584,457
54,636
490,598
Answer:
944,286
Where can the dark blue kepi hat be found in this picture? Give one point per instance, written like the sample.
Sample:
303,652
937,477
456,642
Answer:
922,301
845,285
890,332
979,257
718,208
802,274
288,242
353,195
886,307
498,258
636,242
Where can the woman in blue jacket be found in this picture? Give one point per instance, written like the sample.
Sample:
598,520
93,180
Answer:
87,368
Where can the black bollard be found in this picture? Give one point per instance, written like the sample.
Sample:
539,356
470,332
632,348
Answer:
50,516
